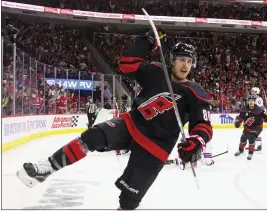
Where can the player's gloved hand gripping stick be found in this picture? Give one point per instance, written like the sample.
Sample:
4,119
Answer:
177,114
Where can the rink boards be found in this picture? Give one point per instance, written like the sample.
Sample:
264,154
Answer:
18,130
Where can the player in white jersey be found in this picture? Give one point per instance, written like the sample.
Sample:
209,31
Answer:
207,155
259,102
206,158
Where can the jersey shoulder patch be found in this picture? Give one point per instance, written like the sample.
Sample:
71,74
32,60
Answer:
197,90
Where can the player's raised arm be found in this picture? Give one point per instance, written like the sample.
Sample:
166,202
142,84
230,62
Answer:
132,61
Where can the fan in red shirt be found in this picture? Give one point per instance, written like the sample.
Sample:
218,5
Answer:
36,102
72,103
63,103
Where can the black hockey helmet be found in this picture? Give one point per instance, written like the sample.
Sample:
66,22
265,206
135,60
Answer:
252,97
184,49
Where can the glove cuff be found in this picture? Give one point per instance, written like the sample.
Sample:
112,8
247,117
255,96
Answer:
200,140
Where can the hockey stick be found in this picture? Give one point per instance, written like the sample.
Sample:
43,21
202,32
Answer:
177,114
174,161
220,154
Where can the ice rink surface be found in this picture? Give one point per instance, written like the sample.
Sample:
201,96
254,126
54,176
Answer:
232,183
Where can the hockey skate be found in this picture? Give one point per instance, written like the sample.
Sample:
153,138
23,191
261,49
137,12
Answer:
238,153
249,156
31,173
259,148
211,163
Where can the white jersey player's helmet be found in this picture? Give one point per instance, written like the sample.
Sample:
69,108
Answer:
255,91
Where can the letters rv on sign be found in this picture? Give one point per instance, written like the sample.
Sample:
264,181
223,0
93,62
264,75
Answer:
71,84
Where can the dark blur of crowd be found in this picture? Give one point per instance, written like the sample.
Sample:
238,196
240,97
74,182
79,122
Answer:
45,52
181,8
229,65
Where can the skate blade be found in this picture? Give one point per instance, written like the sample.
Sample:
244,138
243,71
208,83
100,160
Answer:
24,178
180,164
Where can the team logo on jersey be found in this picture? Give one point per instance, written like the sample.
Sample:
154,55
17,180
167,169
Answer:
111,124
249,121
157,104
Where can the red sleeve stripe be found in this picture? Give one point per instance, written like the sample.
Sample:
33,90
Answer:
130,59
201,98
208,127
158,65
204,128
129,68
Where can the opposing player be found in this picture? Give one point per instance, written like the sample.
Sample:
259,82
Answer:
207,158
207,155
253,116
259,101
149,130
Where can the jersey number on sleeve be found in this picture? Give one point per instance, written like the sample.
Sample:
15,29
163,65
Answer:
206,115
154,106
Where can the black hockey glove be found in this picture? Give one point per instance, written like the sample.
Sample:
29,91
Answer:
237,122
151,37
191,150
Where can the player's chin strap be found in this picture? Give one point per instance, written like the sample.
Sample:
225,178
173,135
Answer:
176,111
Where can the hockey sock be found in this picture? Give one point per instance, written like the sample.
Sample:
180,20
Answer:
208,158
259,141
241,147
251,149
68,154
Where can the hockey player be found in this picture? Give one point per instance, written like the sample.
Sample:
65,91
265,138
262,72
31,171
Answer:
259,102
149,130
253,117
207,155
207,158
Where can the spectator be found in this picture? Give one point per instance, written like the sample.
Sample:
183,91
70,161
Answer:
228,64
191,8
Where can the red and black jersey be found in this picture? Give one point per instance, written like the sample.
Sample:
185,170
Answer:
152,122
252,118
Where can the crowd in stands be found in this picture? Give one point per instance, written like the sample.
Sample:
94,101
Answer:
229,65
65,55
190,8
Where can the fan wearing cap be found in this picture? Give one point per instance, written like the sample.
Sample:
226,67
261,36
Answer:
252,117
